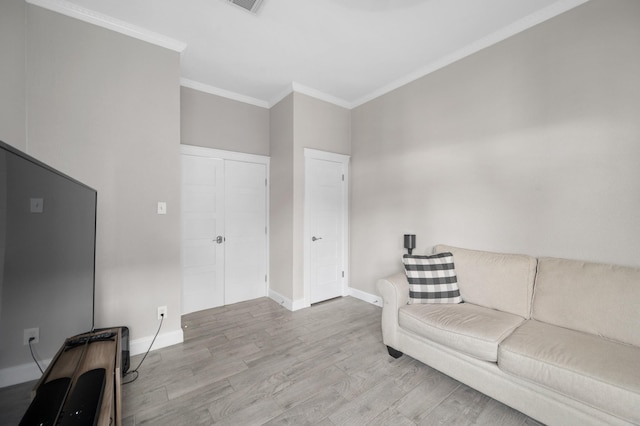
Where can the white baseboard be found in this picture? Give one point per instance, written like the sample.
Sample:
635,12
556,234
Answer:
21,373
300,304
367,297
292,305
140,346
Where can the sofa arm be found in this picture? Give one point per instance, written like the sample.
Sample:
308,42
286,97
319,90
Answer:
395,293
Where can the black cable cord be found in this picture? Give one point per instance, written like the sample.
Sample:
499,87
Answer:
33,356
145,355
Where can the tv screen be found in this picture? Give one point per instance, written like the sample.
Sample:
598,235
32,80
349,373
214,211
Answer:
47,262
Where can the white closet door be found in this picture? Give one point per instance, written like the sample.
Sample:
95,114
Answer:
202,224
224,227
325,205
246,231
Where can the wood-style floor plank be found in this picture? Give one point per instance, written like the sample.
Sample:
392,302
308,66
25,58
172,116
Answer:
256,363
14,401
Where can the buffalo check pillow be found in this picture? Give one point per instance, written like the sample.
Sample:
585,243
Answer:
432,279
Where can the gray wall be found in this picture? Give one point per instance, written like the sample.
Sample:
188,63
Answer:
215,122
281,198
105,109
297,122
318,125
531,145
12,80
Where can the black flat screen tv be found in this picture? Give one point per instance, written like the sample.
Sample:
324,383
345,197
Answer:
47,262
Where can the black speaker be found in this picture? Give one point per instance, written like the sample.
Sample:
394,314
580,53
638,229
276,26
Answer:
124,343
126,358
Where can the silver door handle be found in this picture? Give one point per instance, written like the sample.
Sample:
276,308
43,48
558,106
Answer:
316,238
219,239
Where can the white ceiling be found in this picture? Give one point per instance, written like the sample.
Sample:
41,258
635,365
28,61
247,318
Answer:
343,51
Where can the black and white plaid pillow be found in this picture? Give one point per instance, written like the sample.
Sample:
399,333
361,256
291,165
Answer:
432,279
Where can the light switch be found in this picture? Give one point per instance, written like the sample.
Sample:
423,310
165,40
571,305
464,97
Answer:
162,207
37,205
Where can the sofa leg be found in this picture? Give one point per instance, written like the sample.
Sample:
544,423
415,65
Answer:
393,352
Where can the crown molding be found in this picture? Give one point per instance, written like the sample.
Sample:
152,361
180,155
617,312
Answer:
498,36
280,96
212,90
309,91
293,87
74,11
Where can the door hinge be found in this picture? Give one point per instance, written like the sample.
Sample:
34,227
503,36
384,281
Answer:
265,278
265,182
343,178
342,274
265,230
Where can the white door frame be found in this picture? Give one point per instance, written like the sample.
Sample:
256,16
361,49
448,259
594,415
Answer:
338,158
237,156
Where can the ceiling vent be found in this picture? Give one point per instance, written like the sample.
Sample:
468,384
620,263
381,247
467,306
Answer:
250,5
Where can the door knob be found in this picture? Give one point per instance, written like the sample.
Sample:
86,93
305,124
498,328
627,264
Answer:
219,239
316,238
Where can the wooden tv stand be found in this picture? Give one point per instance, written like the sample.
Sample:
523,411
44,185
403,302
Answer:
75,361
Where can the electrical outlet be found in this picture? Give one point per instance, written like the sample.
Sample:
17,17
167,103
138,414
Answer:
37,205
162,310
29,333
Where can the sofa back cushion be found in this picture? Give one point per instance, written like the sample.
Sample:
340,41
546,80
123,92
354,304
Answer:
494,280
593,298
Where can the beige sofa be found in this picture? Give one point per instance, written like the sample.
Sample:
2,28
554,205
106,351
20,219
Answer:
556,339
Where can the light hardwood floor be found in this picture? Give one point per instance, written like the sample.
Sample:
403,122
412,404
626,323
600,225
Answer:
256,363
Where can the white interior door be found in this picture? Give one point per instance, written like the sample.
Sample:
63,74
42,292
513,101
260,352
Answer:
202,223
224,227
325,212
246,231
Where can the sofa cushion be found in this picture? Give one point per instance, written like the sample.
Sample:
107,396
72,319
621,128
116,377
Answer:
432,279
595,298
599,372
469,328
498,281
